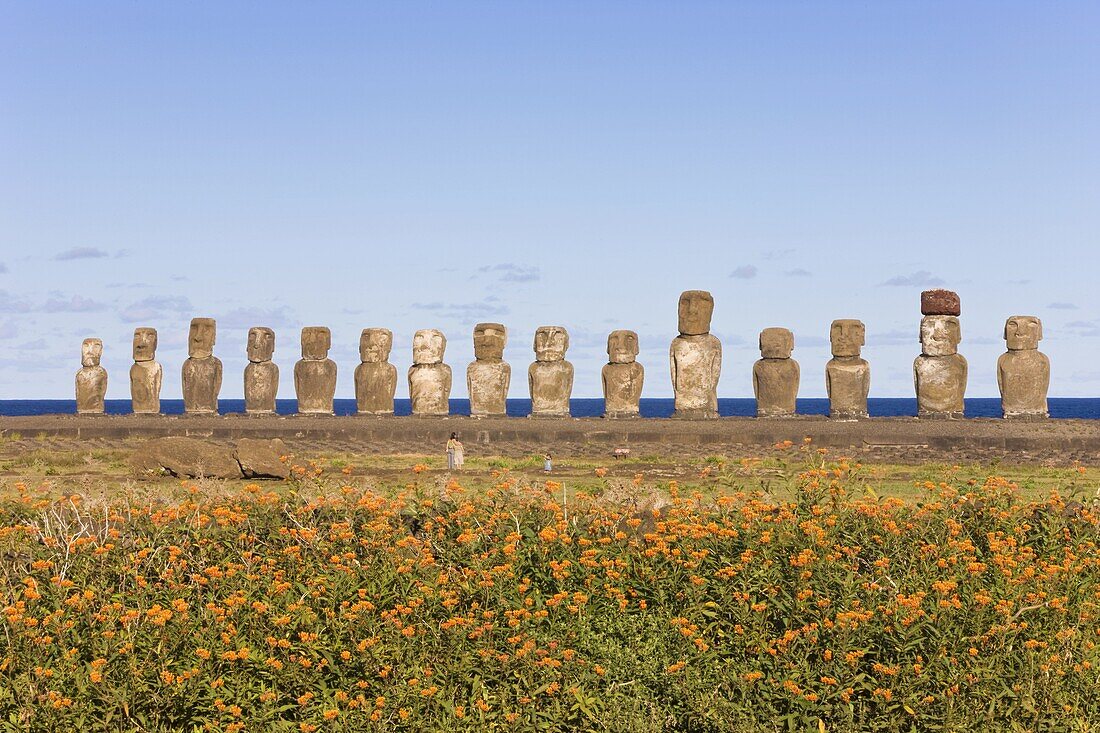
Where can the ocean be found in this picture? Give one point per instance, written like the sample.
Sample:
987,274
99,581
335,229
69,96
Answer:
1060,407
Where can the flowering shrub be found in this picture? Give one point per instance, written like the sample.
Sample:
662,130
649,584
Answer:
524,607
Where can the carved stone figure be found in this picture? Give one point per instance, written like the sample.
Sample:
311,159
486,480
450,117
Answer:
695,358
91,380
939,373
847,376
550,376
315,373
488,377
202,371
1023,372
375,377
775,376
429,377
622,376
261,376
146,374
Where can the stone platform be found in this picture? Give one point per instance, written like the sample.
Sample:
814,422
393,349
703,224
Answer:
900,439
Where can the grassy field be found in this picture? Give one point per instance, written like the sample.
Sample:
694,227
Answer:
794,590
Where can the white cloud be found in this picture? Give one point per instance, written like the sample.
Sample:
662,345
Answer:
80,253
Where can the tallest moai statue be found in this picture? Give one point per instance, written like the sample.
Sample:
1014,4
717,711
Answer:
939,373
202,372
695,358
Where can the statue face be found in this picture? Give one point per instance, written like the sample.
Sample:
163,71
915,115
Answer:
622,347
375,345
776,343
90,352
316,341
551,343
1023,333
429,345
489,341
695,311
940,335
145,344
200,341
847,336
261,344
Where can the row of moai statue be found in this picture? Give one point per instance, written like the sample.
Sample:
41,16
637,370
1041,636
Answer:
695,360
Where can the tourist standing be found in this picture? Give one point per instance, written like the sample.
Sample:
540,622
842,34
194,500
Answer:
452,443
547,462
459,452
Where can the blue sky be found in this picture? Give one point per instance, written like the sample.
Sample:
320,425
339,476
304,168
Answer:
432,165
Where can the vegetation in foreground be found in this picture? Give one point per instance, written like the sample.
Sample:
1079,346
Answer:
327,605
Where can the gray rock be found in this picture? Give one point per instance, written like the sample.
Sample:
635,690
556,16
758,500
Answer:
185,458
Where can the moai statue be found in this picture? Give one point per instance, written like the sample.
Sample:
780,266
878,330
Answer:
261,376
847,376
695,358
202,372
775,376
488,377
622,376
1023,372
145,374
429,377
550,376
91,380
375,377
939,373
315,373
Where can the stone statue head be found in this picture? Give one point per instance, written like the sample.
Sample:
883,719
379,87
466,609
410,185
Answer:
429,346
200,341
261,344
489,341
1023,333
622,347
375,345
551,343
776,343
695,310
90,352
847,335
145,343
940,335
316,341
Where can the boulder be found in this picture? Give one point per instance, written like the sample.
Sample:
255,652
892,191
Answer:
940,302
186,458
260,458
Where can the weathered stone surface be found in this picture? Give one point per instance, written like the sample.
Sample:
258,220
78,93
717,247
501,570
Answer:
261,458
202,371
1023,372
429,377
146,374
695,358
622,376
261,376
847,376
91,380
940,303
186,458
315,373
489,376
550,377
375,377
775,377
940,372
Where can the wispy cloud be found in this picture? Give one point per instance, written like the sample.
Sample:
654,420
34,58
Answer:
1087,329
744,272
154,307
36,345
75,304
892,338
778,254
3,268
1062,306
473,310
798,272
509,272
919,279
248,317
12,303
80,253
8,330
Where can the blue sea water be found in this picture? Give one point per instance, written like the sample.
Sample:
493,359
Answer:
1060,407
